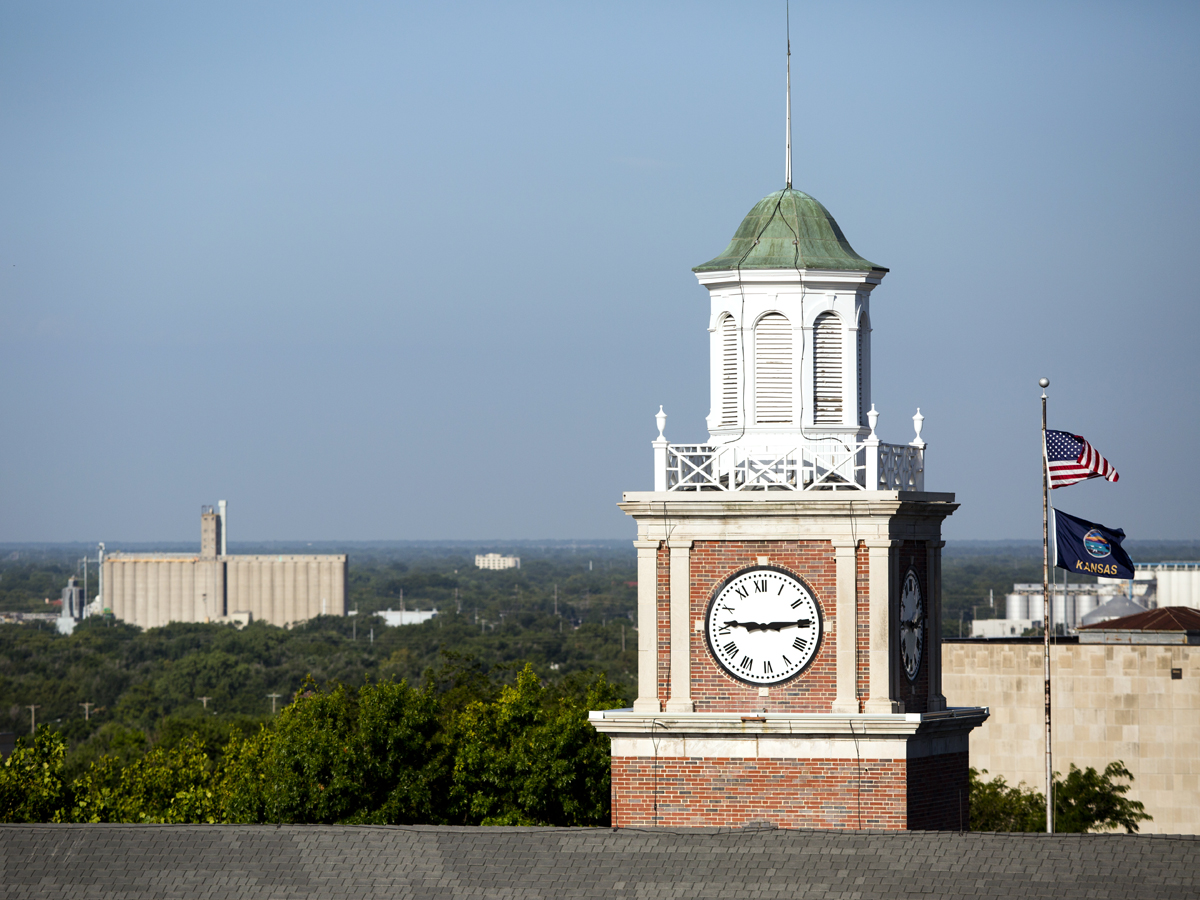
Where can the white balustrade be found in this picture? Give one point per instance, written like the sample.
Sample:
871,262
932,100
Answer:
826,464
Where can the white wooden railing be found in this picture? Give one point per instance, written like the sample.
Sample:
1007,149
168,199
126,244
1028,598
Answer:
824,464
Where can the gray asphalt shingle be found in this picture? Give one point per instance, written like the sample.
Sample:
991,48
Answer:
107,862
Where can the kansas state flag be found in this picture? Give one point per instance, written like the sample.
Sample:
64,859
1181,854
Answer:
1086,548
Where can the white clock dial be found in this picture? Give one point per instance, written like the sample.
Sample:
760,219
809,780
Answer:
763,626
912,625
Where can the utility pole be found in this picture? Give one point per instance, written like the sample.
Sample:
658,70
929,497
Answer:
372,635
33,718
622,638
87,709
204,700
556,599
353,628
274,697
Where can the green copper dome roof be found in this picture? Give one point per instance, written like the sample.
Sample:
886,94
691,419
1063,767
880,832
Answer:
788,230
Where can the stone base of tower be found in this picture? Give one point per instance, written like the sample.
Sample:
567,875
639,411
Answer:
888,772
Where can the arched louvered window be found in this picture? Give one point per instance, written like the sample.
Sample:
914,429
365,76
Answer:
827,370
773,369
729,371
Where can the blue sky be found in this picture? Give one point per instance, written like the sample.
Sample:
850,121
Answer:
389,271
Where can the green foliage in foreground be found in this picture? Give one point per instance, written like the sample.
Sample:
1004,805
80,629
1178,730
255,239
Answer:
1086,800
461,750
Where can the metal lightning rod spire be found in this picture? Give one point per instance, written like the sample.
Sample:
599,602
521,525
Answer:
787,170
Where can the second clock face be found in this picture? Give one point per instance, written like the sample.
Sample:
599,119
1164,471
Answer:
763,626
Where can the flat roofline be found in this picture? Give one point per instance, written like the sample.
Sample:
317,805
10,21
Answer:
1012,639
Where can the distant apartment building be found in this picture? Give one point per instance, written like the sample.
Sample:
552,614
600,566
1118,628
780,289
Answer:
496,561
153,589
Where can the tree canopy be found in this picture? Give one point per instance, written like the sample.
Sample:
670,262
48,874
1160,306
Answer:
1086,800
478,753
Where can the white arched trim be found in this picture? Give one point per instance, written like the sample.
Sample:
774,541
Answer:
715,322
817,304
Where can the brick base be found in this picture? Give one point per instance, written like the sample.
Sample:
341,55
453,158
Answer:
893,795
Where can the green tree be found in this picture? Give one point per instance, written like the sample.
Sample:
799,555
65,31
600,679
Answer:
1086,800
339,756
32,786
167,785
1092,801
995,806
530,757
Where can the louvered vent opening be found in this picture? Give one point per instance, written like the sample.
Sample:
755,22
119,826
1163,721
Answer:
729,372
827,370
773,370
862,325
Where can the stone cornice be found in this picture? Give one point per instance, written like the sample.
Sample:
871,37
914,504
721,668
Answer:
727,504
626,722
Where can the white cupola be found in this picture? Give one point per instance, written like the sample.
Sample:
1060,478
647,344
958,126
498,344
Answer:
791,329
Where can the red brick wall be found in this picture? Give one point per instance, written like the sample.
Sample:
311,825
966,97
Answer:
790,793
814,689
925,794
938,793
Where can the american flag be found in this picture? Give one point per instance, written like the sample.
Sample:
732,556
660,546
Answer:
1071,459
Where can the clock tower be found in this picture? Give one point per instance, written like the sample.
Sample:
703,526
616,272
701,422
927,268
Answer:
789,570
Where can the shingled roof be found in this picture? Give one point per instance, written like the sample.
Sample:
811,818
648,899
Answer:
1167,618
255,861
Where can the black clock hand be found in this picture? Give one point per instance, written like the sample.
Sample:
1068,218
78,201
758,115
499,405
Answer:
769,626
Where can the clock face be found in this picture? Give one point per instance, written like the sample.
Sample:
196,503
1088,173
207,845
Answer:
763,626
912,624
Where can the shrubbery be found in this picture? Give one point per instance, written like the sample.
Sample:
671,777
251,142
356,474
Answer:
1086,800
460,750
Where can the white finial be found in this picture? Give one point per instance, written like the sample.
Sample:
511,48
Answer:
661,418
872,419
918,424
787,167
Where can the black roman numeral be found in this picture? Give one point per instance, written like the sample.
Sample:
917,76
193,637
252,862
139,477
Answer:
781,587
731,648
787,661
767,668
800,644
760,586
797,602
741,590
747,663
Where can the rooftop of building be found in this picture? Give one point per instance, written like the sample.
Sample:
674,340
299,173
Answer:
261,861
789,230
1167,618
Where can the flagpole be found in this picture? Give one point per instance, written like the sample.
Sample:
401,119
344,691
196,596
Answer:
1046,617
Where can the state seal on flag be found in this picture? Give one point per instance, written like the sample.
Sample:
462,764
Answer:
1097,544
